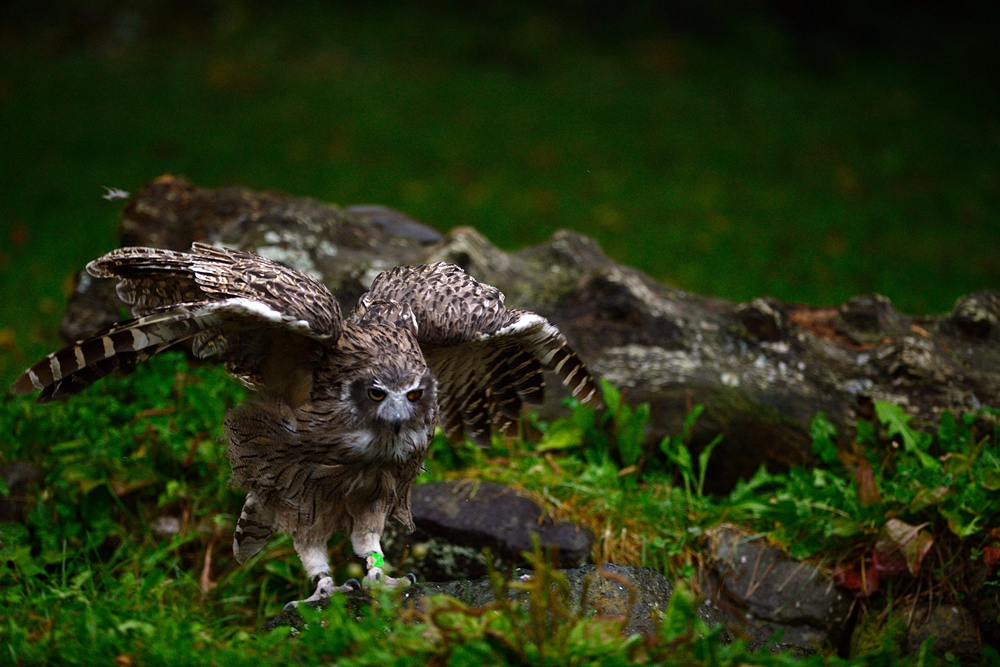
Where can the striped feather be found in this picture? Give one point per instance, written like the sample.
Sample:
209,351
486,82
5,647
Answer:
73,368
152,279
252,530
553,352
476,419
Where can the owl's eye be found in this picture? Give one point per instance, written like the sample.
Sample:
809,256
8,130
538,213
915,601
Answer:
414,395
376,394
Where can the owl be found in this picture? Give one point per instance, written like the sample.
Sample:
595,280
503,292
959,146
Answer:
341,411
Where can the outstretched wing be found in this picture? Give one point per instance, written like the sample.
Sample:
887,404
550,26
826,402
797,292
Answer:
488,360
264,321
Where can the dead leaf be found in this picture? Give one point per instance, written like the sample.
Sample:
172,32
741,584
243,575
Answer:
991,555
864,477
901,546
861,578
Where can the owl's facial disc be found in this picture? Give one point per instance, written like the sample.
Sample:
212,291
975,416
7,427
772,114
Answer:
394,406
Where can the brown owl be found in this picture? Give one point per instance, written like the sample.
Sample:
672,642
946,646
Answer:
342,411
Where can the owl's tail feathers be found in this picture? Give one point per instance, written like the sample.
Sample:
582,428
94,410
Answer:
252,530
120,347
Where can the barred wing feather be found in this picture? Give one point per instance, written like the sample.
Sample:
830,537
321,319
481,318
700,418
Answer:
488,360
264,321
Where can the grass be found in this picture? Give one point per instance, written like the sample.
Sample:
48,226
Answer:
124,552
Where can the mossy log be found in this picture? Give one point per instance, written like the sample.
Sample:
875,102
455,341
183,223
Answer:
762,369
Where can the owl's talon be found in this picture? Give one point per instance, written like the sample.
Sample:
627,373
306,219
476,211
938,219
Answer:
324,589
376,577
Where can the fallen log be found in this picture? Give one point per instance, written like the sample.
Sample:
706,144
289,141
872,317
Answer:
762,369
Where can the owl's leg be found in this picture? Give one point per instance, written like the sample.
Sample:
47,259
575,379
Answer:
316,561
367,544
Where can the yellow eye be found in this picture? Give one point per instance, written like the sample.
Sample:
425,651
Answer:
376,394
414,395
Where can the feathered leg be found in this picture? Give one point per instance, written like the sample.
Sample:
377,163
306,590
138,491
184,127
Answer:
366,538
316,561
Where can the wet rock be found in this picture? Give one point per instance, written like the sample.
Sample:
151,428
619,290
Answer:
456,520
18,476
777,593
638,593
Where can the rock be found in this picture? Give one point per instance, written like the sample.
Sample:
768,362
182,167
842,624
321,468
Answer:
776,592
976,317
761,369
984,602
395,223
456,520
951,628
610,590
18,476
869,318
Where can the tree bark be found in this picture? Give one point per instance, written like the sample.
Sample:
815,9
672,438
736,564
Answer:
762,369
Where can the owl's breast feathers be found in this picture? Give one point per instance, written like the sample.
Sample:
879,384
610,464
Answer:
317,470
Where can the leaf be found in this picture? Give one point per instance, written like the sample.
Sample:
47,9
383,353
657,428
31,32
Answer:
896,420
703,458
612,397
901,546
681,456
991,480
681,615
84,477
822,433
861,578
928,496
957,464
958,525
561,435
864,477
142,627
947,431
4,489
690,419
866,432
630,429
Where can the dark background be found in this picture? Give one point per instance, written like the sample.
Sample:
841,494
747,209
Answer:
810,151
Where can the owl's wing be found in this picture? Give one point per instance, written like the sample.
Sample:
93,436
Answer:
264,321
488,360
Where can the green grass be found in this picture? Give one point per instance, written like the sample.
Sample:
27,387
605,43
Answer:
723,166
88,577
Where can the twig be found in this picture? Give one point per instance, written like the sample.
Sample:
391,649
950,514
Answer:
152,412
916,601
206,572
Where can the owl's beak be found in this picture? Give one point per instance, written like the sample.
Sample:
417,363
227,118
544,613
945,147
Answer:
394,412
